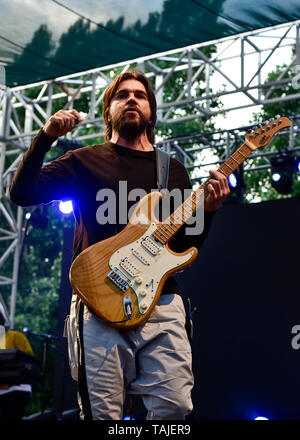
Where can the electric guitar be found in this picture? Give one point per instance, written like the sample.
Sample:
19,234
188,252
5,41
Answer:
121,278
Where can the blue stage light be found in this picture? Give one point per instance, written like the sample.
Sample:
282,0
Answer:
232,180
261,418
236,185
66,207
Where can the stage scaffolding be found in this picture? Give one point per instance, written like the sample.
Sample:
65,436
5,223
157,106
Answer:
22,116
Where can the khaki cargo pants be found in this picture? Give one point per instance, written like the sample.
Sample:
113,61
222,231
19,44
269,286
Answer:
153,361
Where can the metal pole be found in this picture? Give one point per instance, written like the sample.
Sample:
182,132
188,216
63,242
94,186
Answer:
16,264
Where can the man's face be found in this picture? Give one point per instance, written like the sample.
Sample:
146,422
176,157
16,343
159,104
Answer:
130,111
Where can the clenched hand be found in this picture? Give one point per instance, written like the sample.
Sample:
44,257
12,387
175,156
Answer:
61,122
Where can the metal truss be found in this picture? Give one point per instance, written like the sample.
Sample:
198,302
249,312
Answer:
24,110
200,152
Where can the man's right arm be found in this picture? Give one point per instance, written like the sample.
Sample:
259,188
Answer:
32,183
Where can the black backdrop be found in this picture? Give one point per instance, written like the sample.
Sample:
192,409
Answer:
244,284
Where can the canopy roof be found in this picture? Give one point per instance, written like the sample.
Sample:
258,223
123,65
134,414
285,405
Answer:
45,39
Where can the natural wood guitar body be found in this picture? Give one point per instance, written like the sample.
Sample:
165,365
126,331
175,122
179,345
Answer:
88,274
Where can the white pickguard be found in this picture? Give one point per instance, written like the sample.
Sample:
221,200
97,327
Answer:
144,262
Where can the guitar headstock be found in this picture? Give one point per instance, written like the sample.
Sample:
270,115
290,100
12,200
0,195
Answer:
262,135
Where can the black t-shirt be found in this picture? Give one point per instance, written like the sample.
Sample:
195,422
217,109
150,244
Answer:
104,182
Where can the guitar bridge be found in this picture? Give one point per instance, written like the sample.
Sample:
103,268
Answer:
119,279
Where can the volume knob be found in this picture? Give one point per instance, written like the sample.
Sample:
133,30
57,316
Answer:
139,280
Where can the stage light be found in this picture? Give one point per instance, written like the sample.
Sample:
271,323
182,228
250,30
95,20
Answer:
298,164
66,207
276,177
237,186
261,418
232,180
283,168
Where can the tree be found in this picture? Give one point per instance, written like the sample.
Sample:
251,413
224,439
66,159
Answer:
30,60
258,183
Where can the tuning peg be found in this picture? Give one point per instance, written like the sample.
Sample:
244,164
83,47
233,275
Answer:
272,119
277,117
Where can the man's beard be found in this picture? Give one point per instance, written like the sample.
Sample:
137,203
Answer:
129,126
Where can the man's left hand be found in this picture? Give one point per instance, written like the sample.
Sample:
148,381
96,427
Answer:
217,191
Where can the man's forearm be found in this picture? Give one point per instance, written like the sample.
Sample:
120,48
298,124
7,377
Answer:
23,189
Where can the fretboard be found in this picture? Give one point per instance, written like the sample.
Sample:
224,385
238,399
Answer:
166,230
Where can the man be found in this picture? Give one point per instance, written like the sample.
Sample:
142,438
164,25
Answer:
153,360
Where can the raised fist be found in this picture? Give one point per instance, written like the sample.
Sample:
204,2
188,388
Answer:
61,122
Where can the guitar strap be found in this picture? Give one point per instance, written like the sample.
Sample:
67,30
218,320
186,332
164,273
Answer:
162,169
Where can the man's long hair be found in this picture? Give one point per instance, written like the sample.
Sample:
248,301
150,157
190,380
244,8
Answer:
110,92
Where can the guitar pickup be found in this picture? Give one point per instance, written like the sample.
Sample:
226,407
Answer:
140,257
151,246
130,268
119,279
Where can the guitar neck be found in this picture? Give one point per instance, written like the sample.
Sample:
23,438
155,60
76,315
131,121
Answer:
169,227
